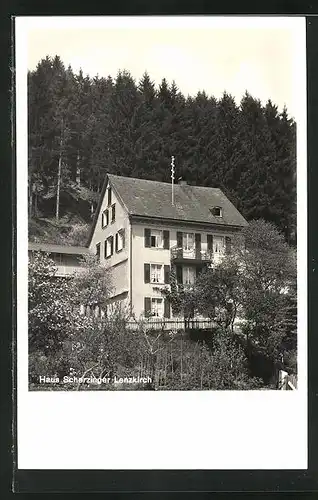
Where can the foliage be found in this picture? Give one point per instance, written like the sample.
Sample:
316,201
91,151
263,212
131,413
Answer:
117,125
63,343
218,293
92,285
255,284
269,288
54,302
62,232
199,367
181,298
50,306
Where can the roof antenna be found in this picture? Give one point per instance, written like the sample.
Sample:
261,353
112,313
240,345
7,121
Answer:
172,180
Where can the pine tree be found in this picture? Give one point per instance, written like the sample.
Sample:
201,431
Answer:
81,127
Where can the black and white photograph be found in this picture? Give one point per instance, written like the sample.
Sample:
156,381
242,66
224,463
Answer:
161,193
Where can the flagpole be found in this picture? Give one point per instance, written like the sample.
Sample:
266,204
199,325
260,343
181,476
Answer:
172,180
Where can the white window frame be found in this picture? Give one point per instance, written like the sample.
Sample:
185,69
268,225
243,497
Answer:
185,242
159,273
109,247
188,271
157,312
158,238
218,244
120,241
104,218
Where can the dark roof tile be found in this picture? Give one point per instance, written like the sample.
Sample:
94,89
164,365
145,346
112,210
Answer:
50,248
191,203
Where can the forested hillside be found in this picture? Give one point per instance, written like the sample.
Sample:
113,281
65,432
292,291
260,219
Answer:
80,128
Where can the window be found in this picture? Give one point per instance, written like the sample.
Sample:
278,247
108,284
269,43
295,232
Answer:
120,240
218,244
188,275
157,307
156,239
109,196
105,218
156,273
109,247
188,241
98,251
113,213
216,211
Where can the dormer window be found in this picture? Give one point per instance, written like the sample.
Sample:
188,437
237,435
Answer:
216,211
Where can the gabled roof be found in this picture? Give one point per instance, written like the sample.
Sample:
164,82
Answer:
50,248
152,199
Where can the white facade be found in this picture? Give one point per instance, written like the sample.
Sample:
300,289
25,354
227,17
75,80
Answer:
139,254
111,240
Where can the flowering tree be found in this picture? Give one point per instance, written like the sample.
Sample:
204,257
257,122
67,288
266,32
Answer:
55,323
51,305
218,293
268,276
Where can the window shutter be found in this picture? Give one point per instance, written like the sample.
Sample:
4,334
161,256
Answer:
228,244
210,242
179,239
116,242
109,196
111,245
147,238
198,270
179,275
147,304
166,242
123,237
166,308
167,274
198,245
147,273
105,249
107,217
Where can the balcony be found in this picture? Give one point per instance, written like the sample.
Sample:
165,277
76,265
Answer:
180,255
64,271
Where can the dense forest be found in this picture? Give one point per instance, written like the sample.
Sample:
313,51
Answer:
80,128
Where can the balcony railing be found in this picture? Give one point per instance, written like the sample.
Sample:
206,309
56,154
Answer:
65,271
179,253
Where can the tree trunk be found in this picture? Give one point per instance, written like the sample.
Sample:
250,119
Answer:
57,214
36,204
181,357
59,175
30,196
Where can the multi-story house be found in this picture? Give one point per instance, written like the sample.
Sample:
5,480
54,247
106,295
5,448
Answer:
141,233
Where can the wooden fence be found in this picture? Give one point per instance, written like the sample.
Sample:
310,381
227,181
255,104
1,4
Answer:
173,325
287,382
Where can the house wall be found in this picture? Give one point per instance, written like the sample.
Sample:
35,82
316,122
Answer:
141,255
66,264
119,275
118,262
